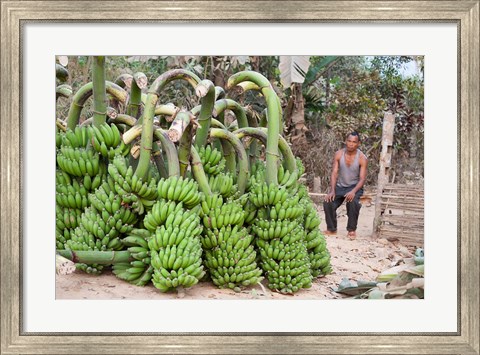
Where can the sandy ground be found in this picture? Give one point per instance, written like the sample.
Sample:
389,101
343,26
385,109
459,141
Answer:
360,259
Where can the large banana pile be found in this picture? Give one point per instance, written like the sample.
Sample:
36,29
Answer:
230,255
203,210
280,238
175,245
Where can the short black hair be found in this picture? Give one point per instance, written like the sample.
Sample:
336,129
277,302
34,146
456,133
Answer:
355,134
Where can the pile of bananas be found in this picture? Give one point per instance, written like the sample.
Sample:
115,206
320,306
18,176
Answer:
280,238
71,200
102,224
107,140
179,189
134,192
315,241
139,271
229,253
175,247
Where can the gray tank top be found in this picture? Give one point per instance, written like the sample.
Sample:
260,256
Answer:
349,175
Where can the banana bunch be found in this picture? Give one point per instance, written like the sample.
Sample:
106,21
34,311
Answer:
107,141
139,271
314,240
71,199
280,236
275,229
77,138
132,190
168,213
262,195
73,195
231,257
67,219
179,189
286,264
212,160
78,161
228,213
222,183
286,178
176,251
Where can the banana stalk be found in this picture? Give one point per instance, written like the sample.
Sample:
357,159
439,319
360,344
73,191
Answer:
241,116
206,91
168,110
219,94
124,80
63,91
185,140
243,169
147,136
199,173
260,133
273,115
170,151
139,83
179,126
99,91
96,257
84,93
235,107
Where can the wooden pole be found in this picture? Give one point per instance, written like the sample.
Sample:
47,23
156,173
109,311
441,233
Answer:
385,164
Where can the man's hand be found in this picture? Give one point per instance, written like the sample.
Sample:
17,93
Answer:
350,196
330,197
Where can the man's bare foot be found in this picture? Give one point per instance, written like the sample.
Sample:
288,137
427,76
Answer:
327,232
352,235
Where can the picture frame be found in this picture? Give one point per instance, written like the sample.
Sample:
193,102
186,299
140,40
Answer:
464,13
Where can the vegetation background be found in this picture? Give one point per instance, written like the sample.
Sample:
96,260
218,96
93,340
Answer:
323,99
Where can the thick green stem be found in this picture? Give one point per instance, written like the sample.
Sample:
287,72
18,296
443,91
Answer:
63,90
185,141
243,169
199,173
273,118
206,90
123,118
159,162
85,92
149,112
168,147
96,257
147,136
139,83
235,107
228,151
261,134
99,91
173,74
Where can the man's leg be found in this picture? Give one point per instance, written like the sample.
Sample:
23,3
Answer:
353,211
330,209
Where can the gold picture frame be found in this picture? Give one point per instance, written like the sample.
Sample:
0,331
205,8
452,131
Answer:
464,13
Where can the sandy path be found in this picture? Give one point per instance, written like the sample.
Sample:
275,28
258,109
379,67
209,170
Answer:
361,259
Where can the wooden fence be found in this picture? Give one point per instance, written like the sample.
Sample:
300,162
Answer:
402,214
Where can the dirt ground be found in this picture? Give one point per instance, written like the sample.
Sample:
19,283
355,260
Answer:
360,259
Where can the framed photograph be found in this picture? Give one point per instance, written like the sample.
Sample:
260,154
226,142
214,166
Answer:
444,33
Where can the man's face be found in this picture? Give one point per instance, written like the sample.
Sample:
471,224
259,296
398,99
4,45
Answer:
352,143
